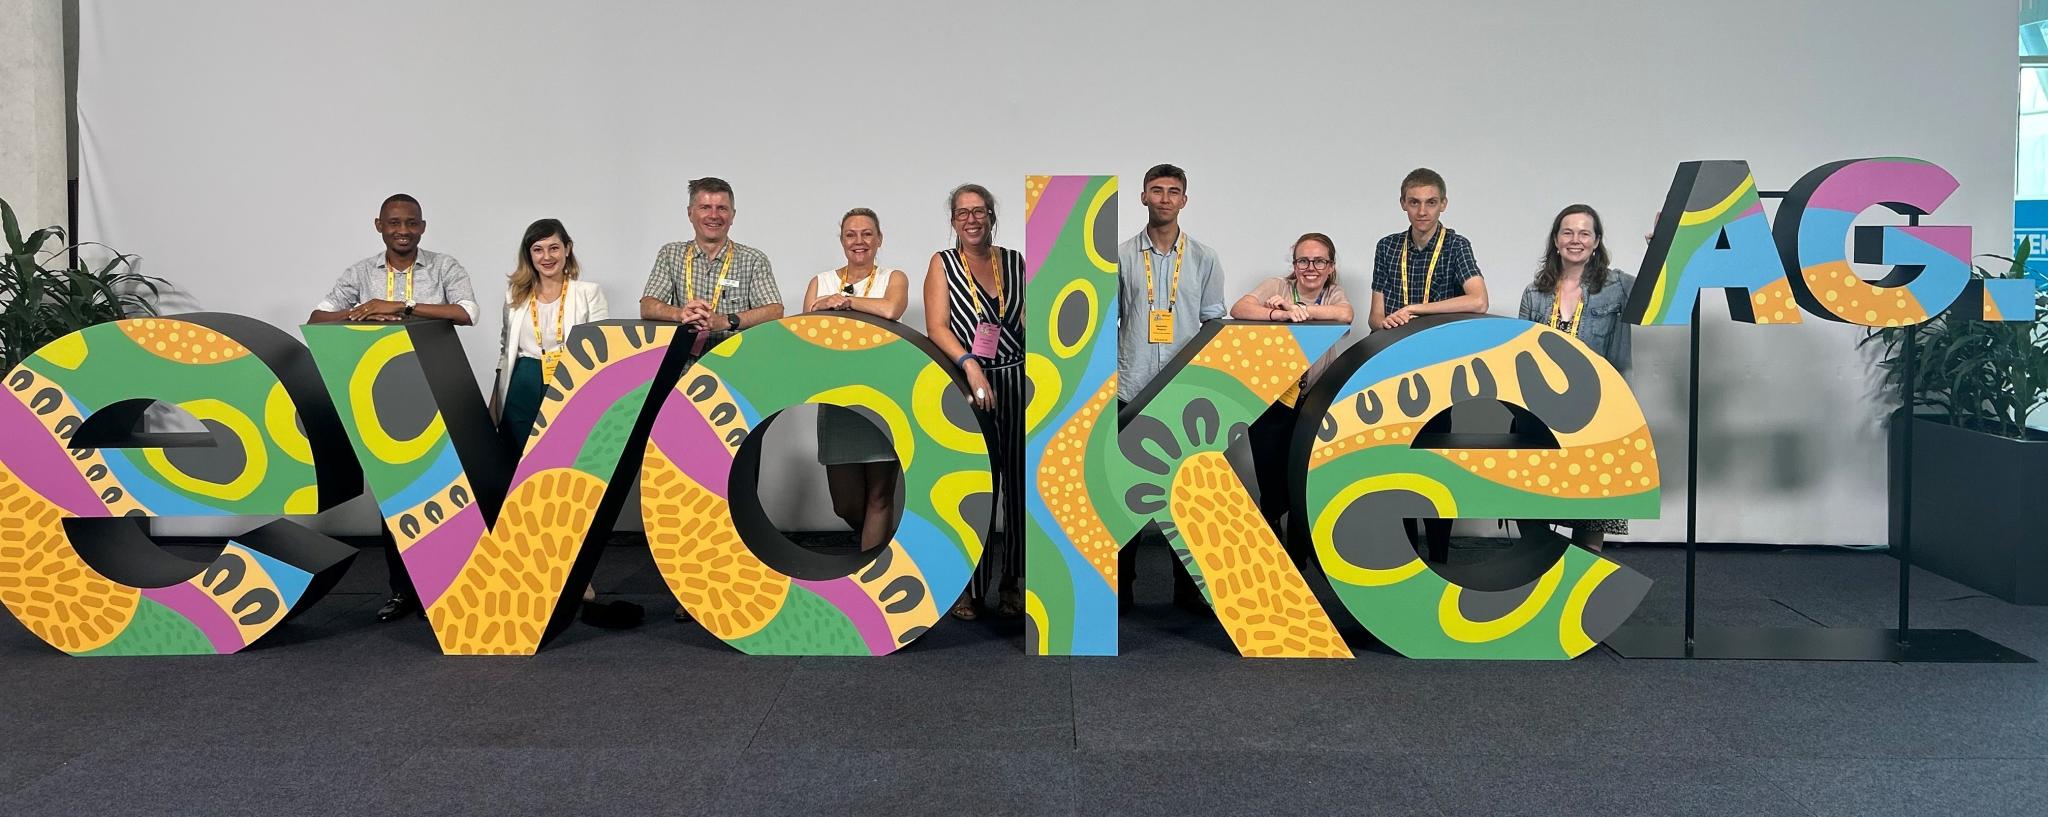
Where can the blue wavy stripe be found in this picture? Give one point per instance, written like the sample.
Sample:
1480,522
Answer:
291,581
1450,341
447,466
942,562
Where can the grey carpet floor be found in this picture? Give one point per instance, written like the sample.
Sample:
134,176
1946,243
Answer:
344,716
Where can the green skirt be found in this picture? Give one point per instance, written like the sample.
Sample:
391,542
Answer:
522,405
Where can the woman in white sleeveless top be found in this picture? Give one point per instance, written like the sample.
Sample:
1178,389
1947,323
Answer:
860,465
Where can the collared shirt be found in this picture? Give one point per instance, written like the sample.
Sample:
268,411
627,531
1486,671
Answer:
751,285
1453,267
1600,325
436,279
1199,300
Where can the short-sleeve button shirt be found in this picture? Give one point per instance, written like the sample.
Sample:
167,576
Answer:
1453,268
751,284
437,278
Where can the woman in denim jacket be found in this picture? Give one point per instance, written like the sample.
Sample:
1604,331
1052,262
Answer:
1577,293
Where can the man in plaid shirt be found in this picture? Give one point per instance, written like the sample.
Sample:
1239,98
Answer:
712,284
1439,276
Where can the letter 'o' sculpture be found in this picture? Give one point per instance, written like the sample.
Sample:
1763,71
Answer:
709,536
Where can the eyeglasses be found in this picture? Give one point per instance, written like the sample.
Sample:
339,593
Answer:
972,213
1312,263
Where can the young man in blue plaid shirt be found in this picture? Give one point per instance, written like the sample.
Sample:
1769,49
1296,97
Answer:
1426,269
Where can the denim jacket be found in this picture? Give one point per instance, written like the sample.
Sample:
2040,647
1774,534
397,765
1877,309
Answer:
1601,327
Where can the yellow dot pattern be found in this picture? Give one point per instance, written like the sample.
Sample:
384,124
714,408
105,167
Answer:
1775,304
1267,359
1261,600
1618,468
1858,301
1362,438
180,341
706,564
840,334
1063,485
1034,186
501,601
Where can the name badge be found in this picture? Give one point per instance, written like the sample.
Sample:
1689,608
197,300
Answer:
725,282
985,336
1162,326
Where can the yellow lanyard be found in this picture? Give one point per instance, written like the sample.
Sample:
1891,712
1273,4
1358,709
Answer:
1408,298
864,290
1179,250
1557,312
391,284
690,275
548,358
995,259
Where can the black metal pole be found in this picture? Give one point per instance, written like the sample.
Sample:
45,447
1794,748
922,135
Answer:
1906,392
1692,475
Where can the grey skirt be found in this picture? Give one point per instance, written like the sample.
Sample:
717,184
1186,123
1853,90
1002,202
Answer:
850,437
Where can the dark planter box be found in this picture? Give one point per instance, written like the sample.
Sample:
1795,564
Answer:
1980,509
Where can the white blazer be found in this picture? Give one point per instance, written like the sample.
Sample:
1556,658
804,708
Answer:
585,302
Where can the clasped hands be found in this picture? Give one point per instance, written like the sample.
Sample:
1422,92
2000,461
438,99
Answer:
1283,308
377,309
696,313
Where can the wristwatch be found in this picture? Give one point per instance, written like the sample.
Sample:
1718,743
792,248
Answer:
409,304
732,321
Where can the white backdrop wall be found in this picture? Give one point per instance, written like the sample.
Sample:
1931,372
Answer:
241,149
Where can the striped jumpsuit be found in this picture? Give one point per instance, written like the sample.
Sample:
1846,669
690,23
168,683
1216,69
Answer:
1006,376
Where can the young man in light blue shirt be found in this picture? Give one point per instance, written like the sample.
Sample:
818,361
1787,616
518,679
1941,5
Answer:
1171,285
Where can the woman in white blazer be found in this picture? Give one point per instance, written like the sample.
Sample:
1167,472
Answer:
543,299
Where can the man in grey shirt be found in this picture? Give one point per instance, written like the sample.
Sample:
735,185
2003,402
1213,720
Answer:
414,283
1171,285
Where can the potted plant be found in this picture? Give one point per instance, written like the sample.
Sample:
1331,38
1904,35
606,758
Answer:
1979,471
47,294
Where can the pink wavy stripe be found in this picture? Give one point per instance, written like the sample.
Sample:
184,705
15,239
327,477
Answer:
1952,241
437,558
686,438
196,606
1061,195
40,460
566,436
867,619
1860,185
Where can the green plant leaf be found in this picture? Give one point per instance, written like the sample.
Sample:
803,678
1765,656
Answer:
13,228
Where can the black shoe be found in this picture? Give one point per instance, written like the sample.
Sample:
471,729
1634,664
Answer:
397,607
1191,601
613,615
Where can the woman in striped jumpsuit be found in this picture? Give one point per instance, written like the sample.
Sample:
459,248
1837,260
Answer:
974,311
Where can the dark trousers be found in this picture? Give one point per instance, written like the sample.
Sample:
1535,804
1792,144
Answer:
401,581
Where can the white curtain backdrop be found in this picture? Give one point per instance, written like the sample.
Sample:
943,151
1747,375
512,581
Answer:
242,148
